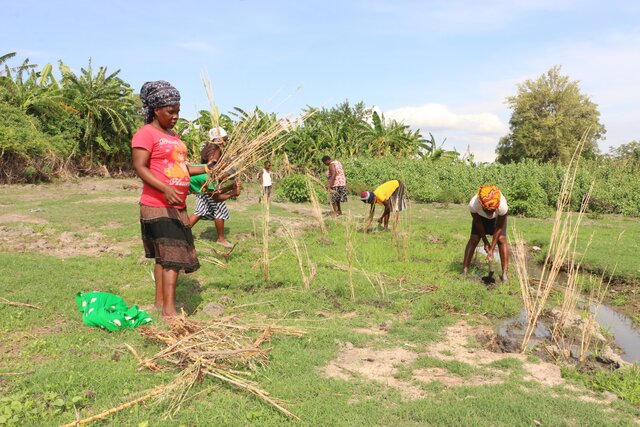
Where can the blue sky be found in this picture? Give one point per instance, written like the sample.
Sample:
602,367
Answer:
444,67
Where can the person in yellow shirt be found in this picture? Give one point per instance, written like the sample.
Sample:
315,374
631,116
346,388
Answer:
390,195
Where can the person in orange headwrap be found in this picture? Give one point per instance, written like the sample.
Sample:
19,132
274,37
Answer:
489,212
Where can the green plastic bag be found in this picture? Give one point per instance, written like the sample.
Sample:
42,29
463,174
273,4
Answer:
109,311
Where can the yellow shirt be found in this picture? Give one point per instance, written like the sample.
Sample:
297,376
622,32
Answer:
384,191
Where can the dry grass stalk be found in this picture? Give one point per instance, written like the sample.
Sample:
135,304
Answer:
350,251
214,112
253,140
178,391
214,256
562,240
315,205
401,239
519,252
286,165
299,249
220,349
152,366
265,239
376,280
594,301
103,415
19,304
570,297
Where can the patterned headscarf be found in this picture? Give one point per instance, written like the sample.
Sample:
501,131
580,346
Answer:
155,95
367,197
489,197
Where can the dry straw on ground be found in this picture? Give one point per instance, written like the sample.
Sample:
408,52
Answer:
220,349
19,304
105,414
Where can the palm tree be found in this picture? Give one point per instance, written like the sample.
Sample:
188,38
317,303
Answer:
106,105
391,138
38,93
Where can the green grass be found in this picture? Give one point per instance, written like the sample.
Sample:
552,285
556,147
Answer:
65,364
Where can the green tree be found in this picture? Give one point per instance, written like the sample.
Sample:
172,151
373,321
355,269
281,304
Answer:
626,153
550,115
107,108
629,151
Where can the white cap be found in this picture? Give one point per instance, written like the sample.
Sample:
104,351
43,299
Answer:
216,133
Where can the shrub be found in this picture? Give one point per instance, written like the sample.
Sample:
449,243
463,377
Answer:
531,188
293,188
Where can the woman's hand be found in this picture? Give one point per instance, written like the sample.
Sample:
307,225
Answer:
173,195
489,252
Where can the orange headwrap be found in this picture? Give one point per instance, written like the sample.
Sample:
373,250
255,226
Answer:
489,197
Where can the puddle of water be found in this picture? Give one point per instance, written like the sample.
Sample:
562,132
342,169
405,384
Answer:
627,335
622,328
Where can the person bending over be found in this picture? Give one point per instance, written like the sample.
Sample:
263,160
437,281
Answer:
391,196
489,217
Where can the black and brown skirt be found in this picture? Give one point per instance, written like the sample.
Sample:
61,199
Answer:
167,237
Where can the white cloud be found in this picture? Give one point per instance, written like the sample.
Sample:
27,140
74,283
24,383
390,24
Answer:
480,130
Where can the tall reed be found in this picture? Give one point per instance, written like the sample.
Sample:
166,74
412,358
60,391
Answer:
299,249
350,251
561,242
266,218
315,205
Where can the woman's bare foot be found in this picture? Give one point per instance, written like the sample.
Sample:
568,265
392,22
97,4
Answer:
225,243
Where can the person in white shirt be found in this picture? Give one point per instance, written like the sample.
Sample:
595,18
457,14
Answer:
265,180
489,212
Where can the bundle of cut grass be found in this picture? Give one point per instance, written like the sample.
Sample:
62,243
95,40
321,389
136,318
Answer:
252,140
221,349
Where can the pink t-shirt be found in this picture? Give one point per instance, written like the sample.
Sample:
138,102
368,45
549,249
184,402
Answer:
167,163
340,180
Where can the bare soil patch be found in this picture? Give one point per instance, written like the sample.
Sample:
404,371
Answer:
461,344
131,200
11,218
25,238
374,365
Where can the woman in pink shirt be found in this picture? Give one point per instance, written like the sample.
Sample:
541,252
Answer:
159,158
337,184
